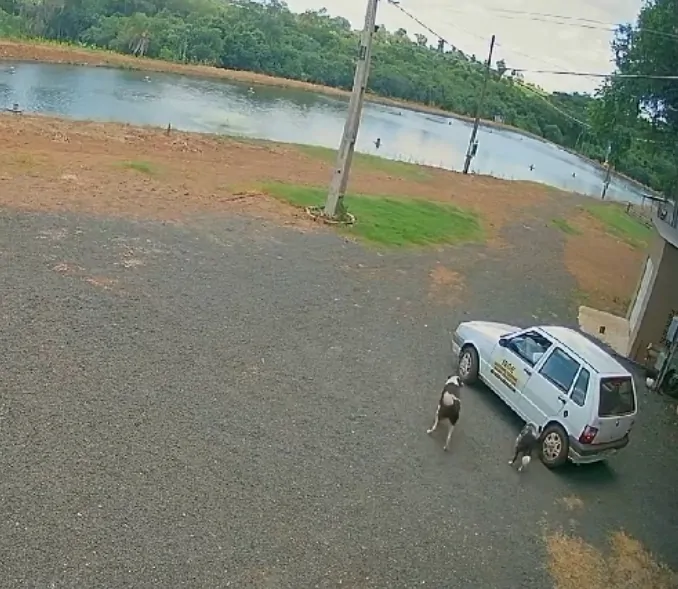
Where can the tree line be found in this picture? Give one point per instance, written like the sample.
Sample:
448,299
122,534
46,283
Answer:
313,46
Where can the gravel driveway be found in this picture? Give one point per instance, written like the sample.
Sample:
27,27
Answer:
228,404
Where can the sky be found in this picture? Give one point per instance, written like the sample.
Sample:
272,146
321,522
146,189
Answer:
522,41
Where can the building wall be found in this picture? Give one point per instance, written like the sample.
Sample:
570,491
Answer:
655,251
662,302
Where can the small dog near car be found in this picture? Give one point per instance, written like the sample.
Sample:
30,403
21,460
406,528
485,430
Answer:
526,442
449,407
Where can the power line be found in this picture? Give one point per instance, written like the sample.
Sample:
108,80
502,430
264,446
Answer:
553,106
597,75
580,22
518,52
615,26
561,16
529,13
396,3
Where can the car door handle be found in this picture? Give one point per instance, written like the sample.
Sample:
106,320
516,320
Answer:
528,372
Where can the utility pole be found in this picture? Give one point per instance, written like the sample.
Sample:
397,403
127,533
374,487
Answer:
473,144
608,172
335,195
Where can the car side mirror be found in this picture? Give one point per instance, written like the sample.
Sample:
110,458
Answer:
503,342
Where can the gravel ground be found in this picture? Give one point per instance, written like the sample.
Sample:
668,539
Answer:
228,404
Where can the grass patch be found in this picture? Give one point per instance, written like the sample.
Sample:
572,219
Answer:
140,166
626,564
392,221
619,223
370,163
581,297
565,227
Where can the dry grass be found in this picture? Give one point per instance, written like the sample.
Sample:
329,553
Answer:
446,285
574,564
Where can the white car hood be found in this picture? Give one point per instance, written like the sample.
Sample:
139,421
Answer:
490,328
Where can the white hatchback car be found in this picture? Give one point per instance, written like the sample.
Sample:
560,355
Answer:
556,378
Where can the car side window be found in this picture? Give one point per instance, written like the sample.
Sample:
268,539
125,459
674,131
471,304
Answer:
581,386
530,346
560,369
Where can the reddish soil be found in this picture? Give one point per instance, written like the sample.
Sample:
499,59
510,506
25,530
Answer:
446,285
112,169
68,54
606,268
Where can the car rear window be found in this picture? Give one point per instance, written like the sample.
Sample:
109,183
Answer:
616,397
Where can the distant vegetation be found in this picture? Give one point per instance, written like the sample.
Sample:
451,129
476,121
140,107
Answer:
316,47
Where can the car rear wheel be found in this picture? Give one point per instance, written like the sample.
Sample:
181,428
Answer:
554,446
468,365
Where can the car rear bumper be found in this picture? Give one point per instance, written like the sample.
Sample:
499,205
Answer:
585,453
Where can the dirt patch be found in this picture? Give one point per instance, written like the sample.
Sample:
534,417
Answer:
574,564
49,164
606,268
67,269
101,282
572,502
118,169
113,169
446,285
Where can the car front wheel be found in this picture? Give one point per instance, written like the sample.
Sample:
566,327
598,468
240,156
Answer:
468,365
554,446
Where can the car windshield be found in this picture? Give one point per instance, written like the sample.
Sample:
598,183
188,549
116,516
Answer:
616,397
529,346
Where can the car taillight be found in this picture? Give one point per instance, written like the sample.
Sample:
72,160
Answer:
588,435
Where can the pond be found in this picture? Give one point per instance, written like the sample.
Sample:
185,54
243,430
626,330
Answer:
279,114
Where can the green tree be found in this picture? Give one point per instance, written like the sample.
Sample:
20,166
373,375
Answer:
643,106
637,116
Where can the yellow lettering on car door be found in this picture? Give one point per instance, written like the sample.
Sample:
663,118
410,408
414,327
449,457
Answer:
506,373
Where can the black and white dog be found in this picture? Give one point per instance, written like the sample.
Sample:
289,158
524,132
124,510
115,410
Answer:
449,407
526,442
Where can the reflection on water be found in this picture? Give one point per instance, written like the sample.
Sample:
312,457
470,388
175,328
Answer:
265,112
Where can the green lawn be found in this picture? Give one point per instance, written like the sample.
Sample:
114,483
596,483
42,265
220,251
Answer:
620,224
565,227
140,166
368,162
392,221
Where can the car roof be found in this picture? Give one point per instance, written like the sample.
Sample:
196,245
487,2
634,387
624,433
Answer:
594,355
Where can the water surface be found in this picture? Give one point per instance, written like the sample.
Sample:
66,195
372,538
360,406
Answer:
281,114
